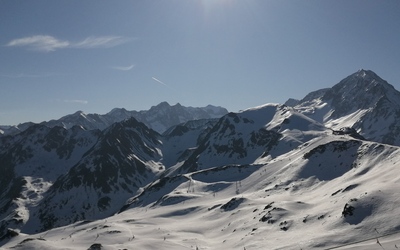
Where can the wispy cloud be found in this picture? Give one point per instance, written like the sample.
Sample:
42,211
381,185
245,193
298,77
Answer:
76,101
100,42
124,68
47,43
155,79
40,43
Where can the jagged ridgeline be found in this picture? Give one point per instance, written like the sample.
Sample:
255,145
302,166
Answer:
313,173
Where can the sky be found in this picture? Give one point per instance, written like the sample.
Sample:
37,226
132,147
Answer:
58,57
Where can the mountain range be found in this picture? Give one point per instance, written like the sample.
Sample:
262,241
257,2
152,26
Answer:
158,118
316,173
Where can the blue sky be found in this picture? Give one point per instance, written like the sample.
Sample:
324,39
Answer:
57,57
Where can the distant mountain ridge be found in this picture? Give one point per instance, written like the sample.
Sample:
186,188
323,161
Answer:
158,118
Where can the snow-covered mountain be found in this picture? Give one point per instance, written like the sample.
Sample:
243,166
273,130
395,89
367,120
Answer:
316,173
12,130
159,118
124,159
31,161
328,192
362,101
163,116
241,138
179,141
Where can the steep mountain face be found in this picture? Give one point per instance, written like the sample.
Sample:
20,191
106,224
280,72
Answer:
31,161
124,158
241,138
181,140
158,118
362,101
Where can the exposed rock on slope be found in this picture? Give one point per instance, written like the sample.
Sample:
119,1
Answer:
124,159
362,101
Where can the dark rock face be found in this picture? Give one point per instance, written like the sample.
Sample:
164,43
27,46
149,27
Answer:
234,139
232,204
40,154
116,164
358,91
357,210
95,246
348,131
347,210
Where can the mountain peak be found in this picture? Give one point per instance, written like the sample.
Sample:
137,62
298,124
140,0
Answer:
178,105
363,72
119,114
163,104
78,113
117,110
363,82
363,87
362,101
367,75
359,91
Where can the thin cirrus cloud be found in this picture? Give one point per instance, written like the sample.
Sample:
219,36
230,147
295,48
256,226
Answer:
124,68
155,79
47,43
100,42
